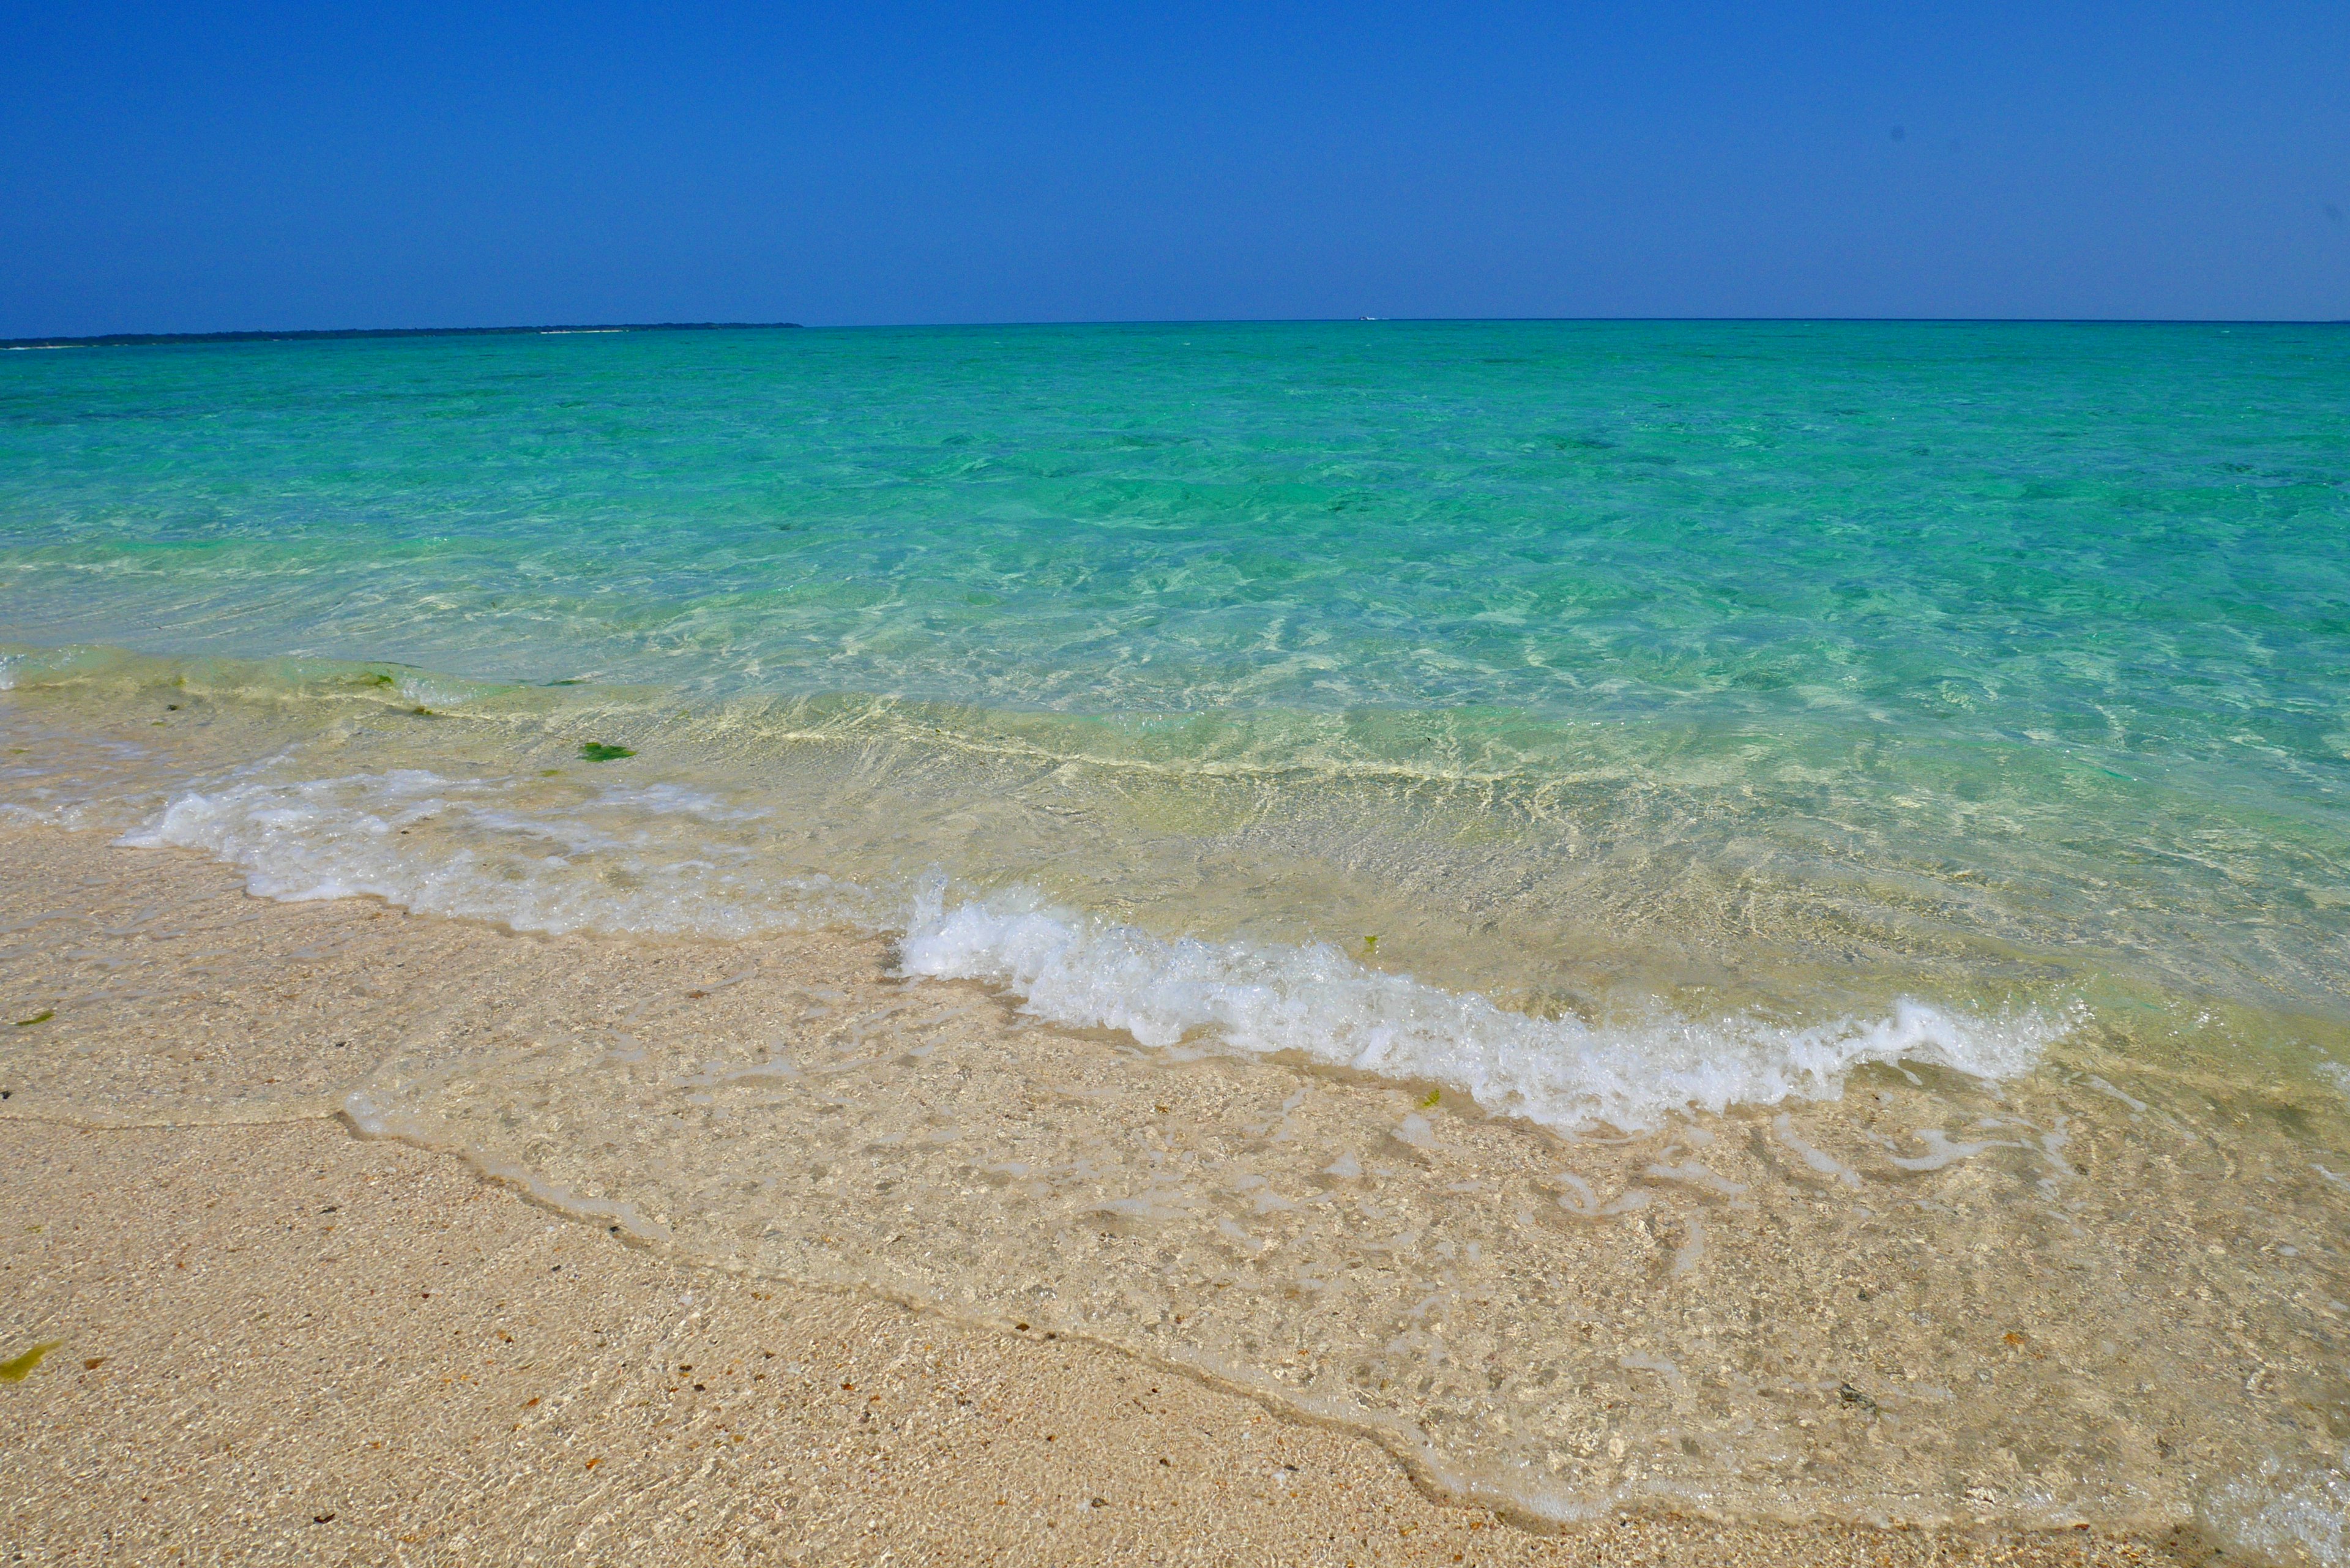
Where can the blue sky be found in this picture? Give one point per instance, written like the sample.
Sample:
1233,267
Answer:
243,165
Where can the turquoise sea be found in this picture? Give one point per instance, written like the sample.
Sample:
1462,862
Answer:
1614,723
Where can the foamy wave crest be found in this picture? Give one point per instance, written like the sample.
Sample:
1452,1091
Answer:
636,861
1321,1004
660,860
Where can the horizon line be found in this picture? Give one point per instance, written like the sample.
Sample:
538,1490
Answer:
267,335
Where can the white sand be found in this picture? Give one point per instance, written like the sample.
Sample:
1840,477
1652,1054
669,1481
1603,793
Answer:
279,1342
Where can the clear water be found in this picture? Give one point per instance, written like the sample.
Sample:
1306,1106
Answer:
1617,724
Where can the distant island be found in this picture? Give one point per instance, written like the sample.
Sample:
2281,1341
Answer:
119,339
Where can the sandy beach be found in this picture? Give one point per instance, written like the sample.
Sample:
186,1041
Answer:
276,1340
1242,786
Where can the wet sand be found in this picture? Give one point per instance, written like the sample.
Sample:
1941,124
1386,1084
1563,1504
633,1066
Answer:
277,1340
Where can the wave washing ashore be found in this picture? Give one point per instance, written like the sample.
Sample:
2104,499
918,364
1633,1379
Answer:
1741,918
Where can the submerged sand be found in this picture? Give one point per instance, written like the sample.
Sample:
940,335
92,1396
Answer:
277,1340
280,1343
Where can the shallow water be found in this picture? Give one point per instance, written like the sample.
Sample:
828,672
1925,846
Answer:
1540,861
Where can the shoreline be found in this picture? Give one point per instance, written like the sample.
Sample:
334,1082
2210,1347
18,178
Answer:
307,1344
280,1340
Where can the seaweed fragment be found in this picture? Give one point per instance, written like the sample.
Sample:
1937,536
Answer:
14,1369
598,752
43,1016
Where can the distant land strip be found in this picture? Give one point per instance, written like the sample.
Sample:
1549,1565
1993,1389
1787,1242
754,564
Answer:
122,339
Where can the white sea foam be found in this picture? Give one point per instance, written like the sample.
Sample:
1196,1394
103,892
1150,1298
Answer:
1320,1004
2285,1514
666,861
625,860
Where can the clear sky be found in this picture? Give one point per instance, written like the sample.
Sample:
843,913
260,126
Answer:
187,167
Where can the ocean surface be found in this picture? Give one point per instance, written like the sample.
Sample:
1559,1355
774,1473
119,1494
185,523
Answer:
1912,759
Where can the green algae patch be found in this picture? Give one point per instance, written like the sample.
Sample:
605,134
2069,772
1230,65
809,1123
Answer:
1433,1096
598,752
43,1016
15,1369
